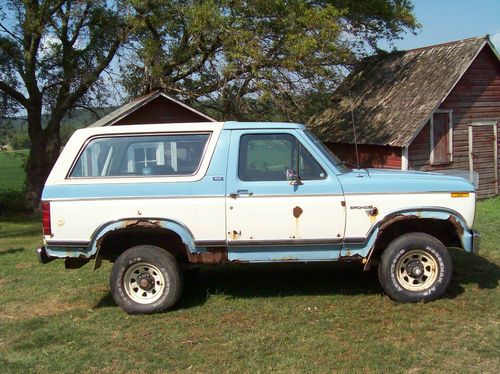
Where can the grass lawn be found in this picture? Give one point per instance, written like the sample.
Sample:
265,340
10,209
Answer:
12,180
254,318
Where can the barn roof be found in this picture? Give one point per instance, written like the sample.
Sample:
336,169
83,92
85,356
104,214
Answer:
139,102
394,94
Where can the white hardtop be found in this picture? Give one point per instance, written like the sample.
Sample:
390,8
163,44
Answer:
153,128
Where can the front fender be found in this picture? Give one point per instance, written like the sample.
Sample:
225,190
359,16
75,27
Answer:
443,214
365,248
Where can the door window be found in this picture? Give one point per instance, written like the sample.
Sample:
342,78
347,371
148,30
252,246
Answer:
276,157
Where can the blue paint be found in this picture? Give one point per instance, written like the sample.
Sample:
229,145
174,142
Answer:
393,181
205,187
284,254
362,249
328,186
233,125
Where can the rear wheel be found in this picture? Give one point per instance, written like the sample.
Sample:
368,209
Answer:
146,279
415,267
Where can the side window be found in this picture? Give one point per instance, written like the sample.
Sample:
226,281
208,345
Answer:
275,157
178,154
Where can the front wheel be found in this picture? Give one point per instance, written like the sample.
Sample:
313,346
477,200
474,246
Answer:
146,279
415,267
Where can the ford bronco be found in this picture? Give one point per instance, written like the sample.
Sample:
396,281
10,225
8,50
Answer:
156,199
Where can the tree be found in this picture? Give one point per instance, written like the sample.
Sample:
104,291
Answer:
256,59
52,54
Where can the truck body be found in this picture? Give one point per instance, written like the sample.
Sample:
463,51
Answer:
232,192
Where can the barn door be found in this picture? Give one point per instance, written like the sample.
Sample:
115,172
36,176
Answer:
441,142
483,156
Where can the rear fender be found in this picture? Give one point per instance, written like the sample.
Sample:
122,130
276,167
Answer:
100,233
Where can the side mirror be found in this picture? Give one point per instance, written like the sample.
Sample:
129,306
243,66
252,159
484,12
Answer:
293,177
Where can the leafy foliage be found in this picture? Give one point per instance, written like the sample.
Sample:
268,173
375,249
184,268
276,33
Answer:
245,60
52,55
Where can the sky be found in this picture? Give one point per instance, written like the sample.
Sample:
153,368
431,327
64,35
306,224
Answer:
447,20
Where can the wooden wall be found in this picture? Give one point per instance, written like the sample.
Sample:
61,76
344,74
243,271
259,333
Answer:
370,156
161,110
476,97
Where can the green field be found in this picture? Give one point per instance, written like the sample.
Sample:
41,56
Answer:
254,318
12,180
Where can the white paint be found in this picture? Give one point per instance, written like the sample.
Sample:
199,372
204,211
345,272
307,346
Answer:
471,154
359,222
74,146
404,158
271,217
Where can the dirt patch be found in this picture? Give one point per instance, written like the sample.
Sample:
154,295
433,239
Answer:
23,265
47,307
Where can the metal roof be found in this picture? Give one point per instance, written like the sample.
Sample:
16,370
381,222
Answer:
393,95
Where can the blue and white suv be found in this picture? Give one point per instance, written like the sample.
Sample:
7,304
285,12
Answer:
155,199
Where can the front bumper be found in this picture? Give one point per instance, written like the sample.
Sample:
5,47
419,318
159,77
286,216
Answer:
476,241
43,258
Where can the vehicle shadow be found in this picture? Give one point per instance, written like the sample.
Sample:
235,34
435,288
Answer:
291,279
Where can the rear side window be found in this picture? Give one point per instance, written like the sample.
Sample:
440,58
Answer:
119,156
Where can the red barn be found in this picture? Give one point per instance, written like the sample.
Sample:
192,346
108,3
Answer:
431,108
155,107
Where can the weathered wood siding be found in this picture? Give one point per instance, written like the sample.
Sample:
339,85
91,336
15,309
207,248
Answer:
370,156
483,159
160,110
476,97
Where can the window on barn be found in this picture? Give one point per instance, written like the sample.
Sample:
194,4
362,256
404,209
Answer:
441,138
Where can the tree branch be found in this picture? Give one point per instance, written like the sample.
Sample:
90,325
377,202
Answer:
16,95
7,31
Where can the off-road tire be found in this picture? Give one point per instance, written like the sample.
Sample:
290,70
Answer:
161,270
408,256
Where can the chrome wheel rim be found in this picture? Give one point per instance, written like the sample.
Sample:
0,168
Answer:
144,283
417,270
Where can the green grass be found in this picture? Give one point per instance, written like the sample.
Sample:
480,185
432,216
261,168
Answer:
12,180
254,318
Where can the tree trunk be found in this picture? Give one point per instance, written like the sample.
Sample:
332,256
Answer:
44,150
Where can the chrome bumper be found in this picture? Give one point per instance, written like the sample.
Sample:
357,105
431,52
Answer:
476,241
43,258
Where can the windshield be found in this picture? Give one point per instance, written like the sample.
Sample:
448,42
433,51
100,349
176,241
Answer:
327,153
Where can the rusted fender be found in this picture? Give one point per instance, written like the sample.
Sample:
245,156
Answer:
177,227
465,233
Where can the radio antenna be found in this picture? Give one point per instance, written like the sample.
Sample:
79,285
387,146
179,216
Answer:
354,130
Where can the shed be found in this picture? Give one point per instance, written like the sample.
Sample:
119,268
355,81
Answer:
155,107
435,108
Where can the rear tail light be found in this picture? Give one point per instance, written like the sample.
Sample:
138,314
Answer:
47,229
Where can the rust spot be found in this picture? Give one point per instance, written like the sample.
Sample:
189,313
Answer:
373,212
297,211
235,234
141,223
213,256
399,217
342,203
458,226
354,258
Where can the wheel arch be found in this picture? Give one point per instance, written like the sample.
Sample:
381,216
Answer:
112,238
446,225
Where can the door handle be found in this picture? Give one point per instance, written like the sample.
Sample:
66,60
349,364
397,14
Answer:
234,195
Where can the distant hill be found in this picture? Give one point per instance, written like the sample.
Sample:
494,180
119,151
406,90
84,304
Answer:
77,118
14,130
